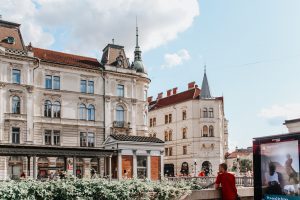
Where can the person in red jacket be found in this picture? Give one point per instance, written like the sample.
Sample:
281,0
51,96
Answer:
227,181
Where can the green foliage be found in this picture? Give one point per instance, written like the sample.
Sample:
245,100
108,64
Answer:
94,189
245,165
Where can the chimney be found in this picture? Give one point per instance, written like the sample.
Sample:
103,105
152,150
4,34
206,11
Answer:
160,95
191,85
169,93
174,90
149,99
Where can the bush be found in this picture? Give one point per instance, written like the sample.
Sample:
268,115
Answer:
75,189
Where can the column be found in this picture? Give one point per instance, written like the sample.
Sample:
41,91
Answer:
104,165
99,166
149,165
109,167
162,171
28,166
65,164
74,166
134,167
119,165
34,168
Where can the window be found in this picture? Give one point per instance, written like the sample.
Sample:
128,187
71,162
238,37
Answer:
91,87
184,133
151,122
83,139
15,135
154,121
205,131
166,151
48,137
170,118
166,119
10,40
16,76
205,114
211,112
166,136
91,113
16,105
82,112
56,109
141,167
184,115
48,108
120,114
120,90
170,136
184,150
170,151
83,86
91,139
56,82
211,131
48,82
56,138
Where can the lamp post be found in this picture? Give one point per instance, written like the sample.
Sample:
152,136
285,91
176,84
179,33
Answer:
195,170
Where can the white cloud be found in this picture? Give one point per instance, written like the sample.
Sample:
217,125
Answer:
86,26
276,114
174,59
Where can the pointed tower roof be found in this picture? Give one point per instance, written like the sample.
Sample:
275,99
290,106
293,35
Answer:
205,92
137,63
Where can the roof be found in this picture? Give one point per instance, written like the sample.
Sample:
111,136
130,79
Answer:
132,138
10,29
291,121
205,92
66,59
240,152
113,53
174,99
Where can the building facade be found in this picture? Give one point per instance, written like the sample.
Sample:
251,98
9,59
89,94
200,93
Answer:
293,125
57,100
193,125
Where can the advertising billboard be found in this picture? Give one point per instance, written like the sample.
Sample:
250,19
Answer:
276,167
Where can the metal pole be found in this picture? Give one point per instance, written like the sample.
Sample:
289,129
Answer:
34,168
28,166
109,168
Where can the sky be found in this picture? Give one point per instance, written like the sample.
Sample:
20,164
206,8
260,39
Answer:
251,48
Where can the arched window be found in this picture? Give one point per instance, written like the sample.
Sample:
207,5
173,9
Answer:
120,114
211,112
184,133
48,108
205,114
16,108
56,109
211,131
170,136
205,131
91,113
82,112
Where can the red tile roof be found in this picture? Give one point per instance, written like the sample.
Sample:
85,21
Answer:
66,59
174,99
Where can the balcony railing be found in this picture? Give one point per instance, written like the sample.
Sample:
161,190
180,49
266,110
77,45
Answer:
120,124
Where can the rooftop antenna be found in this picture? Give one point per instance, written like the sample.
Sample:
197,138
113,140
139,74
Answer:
137,31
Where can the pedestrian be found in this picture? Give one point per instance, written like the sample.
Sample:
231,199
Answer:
227,181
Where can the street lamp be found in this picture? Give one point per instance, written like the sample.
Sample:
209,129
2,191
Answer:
195,170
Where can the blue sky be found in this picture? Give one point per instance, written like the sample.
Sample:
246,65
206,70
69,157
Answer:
252,53
251,48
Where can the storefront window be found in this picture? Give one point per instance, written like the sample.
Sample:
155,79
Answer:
141,167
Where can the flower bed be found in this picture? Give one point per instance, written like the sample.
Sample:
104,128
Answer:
71,188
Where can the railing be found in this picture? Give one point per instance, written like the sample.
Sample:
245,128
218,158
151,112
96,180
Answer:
208,181
120,124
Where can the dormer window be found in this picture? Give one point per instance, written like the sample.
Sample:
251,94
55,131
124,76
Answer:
10,40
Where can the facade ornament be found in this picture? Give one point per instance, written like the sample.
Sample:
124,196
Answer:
2,85
30,88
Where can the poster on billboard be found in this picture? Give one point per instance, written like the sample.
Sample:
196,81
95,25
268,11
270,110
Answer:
280,170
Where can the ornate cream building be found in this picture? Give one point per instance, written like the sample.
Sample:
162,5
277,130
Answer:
57,109
193,125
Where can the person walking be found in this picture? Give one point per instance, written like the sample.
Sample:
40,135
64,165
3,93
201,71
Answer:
227,181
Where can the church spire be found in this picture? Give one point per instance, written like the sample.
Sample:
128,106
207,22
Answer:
137,52
205,92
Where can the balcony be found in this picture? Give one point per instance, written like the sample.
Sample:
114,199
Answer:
121,124
13,116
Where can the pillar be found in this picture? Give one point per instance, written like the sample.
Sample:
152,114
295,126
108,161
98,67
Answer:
34,168
119,165
28,166
65,164
162,171
149,165
109,167
99,166
105,167
74,166
134,164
